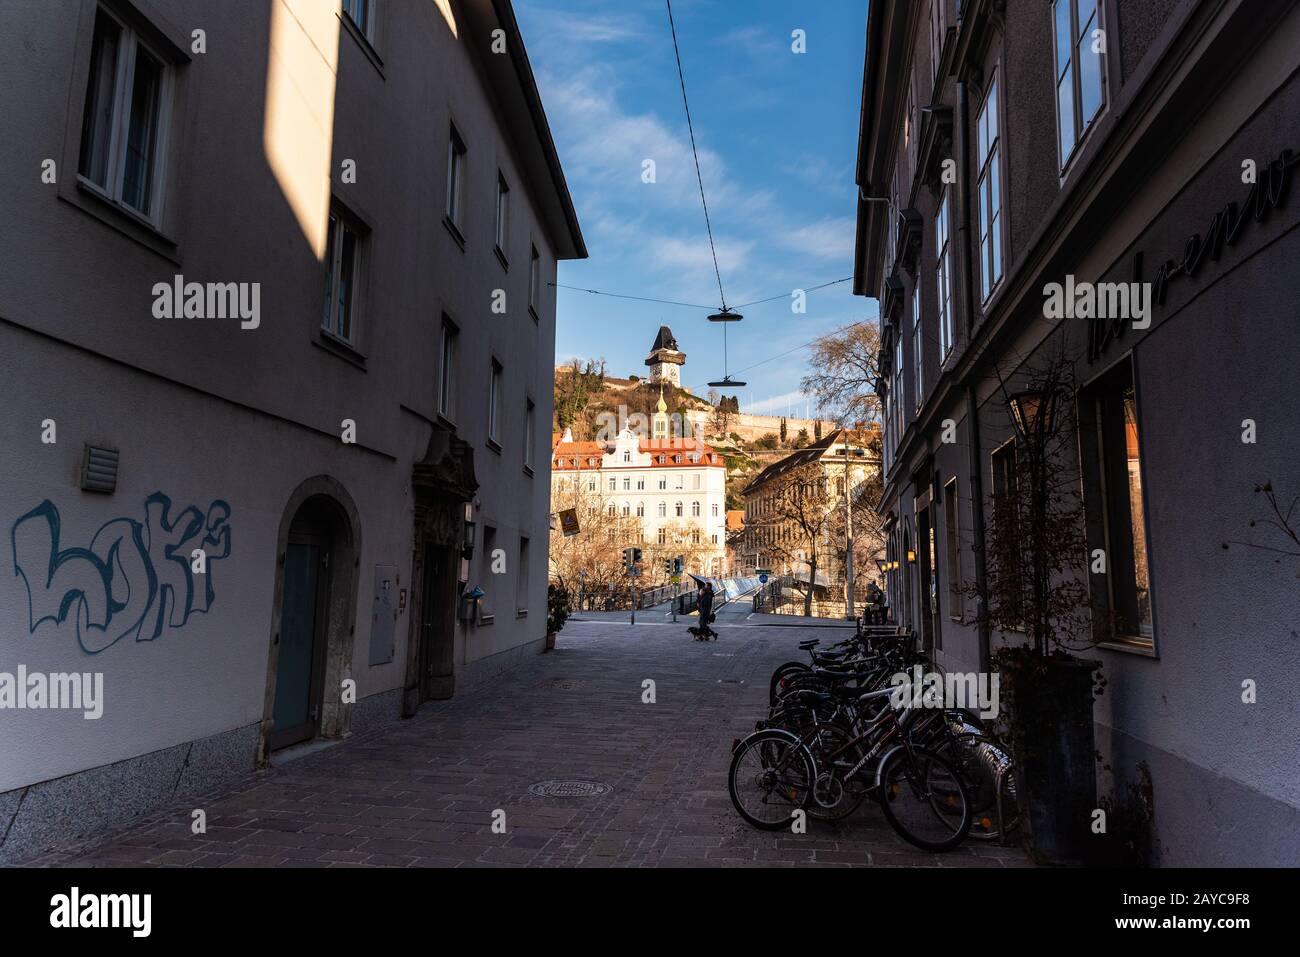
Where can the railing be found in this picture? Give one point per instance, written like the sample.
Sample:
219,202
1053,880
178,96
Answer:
684,593
780,597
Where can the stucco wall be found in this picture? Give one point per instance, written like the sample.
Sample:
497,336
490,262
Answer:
202,410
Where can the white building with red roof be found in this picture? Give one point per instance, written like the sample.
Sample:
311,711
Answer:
674,486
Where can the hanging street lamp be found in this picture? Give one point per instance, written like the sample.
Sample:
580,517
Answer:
1033,412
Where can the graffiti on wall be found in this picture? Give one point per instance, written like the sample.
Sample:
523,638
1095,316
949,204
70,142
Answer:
136,579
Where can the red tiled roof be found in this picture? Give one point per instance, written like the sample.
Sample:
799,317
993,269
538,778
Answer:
677,453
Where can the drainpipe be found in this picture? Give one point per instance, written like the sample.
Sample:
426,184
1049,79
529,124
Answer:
972,405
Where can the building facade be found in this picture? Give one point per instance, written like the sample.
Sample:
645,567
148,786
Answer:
665,493
277,333
782,536
1101,190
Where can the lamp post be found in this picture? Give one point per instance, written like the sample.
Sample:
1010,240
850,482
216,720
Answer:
849,608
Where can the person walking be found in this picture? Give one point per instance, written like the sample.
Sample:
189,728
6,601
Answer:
705,604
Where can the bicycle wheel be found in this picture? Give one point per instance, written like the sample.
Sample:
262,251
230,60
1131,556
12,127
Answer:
771,776
985,765
925,799
774,687
834,795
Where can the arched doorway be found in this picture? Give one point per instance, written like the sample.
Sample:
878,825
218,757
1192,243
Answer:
312,623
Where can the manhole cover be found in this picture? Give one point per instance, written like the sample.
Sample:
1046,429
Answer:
561,684
569,789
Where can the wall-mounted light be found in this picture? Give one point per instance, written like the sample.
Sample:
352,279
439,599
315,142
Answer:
911,556
467,543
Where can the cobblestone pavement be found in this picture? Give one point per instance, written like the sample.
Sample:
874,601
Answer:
423,792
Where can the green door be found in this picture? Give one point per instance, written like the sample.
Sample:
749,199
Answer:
296,712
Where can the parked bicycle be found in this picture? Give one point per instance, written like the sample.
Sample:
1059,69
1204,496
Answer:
835,735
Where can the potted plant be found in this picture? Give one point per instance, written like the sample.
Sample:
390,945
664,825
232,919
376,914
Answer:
1037,586
557,612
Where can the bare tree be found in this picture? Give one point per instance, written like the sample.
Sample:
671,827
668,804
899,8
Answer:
866,488
844,369
720,417
591,560
803,506
1036,550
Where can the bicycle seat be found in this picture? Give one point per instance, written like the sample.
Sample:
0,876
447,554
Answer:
809,644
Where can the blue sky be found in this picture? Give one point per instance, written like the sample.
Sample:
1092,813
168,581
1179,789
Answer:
777,134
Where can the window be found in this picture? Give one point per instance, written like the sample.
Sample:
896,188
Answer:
124,120
695,509
715,509
503,217
679,509
640,509
627,483
627,456
943,279
362,13
938,27
899,400
627,510
456,180
640,483
663,483
1113,478
1080,78
679,483
952,548
342,271
663,536
591,485
535,283
988,186
613,484
695,536
663,509
613,510
917,366
521,580
494,405
695,481
530,416
1004,471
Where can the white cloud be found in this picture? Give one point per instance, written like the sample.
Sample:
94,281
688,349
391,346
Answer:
830,238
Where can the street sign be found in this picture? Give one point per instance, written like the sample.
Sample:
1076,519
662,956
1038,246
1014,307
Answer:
676,579
762,579
569,522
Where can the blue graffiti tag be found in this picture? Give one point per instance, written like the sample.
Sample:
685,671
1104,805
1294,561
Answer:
135,578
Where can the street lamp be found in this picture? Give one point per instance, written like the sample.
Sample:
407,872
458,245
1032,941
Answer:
1033,411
